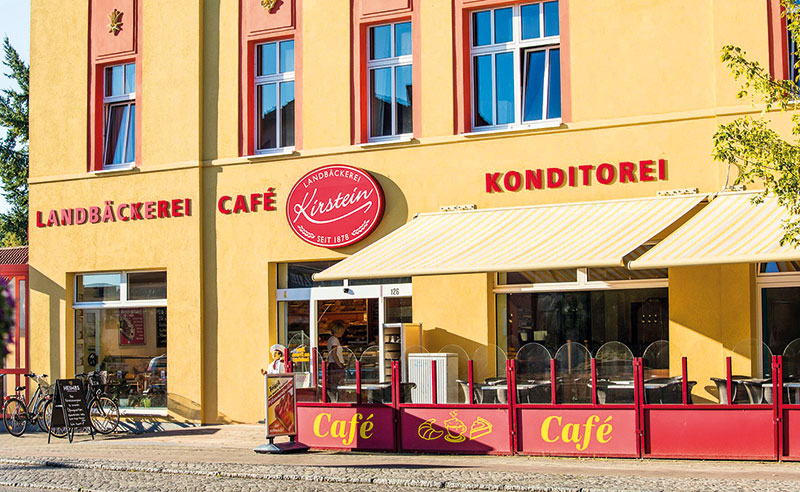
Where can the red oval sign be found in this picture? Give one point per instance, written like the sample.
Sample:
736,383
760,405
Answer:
334,206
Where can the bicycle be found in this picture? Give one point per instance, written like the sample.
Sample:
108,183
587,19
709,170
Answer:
103,411
17,413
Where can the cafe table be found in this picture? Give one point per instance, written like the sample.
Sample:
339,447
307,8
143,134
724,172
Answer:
498,393
371,392
792,392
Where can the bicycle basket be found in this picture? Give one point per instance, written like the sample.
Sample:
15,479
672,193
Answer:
47,388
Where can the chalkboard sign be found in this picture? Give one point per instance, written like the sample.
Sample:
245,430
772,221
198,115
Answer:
69,407
161,327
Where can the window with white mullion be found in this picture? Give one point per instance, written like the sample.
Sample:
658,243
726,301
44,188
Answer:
274,96
389,81
119,113
515,62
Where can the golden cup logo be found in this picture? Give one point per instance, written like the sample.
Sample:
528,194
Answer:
345,430
580,434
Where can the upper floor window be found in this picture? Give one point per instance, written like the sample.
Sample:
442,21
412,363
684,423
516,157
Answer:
516,66
119,108
792,54
274,90
390,81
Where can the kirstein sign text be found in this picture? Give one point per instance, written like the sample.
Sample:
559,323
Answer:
335,206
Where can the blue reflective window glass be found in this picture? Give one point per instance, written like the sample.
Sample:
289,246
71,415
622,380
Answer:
402,92
267,116
380,42
381,102
503,25
534,85
551,19
483,90
131,143
287,56
287,114
504,82
115,134
530,21
130,78
482,28
402,39
267,59
554,85
114,78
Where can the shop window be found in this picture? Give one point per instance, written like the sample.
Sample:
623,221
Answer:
274,91
119,109
515,62
121,331
100,287
634,317
779,267
537,277
390,81
300,275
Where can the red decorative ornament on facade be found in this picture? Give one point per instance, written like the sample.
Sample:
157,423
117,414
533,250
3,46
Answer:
335,206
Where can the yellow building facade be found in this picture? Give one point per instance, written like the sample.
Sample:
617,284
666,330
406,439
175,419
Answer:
639,81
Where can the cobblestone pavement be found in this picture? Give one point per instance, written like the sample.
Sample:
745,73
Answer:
222,458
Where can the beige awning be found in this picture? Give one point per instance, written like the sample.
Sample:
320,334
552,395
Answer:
591,234
731,229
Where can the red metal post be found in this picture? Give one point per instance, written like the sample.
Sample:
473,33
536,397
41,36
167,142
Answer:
396,402
685,380
594,381
777,402
729,380
324,382
470,382
287,363
358,382
511,389
638,401
553,393
434,396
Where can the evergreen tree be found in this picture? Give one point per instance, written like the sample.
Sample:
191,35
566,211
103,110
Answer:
14,151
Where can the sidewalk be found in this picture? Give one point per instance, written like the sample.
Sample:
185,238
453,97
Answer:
227,451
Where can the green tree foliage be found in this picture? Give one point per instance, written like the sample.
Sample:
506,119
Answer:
14,150
759,152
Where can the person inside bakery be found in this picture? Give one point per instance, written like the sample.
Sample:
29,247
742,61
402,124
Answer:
335,358
277,365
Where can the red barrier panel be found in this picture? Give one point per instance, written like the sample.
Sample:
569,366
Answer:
710,431
348,427
592,431
470,429
791,432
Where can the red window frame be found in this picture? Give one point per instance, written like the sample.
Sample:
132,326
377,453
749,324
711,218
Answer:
102,56
371,13
21,360
283,22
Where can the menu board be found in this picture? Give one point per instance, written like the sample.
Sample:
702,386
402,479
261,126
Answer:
161,327
131,326
69,407
281,409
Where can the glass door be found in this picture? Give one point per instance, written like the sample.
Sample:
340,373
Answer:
350,317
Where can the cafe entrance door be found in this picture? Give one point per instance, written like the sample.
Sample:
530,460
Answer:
363,310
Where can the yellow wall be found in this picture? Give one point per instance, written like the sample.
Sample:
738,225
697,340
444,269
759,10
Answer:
646,84
712,312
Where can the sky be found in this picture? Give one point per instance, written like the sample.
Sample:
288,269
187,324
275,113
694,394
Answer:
15,23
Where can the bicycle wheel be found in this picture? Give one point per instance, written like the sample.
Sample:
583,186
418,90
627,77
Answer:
104,415
38,414
15,416
48,418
